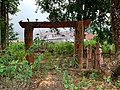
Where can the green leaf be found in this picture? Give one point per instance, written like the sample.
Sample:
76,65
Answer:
1,70
14,62
66,86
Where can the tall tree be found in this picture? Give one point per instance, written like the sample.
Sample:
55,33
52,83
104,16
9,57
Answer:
113,68
6,7
115,22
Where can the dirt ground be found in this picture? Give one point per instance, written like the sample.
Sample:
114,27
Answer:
51,82
54,82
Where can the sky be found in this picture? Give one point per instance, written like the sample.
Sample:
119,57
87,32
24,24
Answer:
27,10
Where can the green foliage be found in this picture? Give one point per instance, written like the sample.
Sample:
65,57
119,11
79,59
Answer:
91,42
12,35
34,46
102,30
73,9
95,10
16,50
99,87
61,48
73,62
106,46
40,43
93,75
14,66
107,79
36,64
13,6
13,63
47,55
68,81
57,69
1,22
84,82
118,83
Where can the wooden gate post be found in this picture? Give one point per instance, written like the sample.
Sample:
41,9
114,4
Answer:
28,38
76,43
80,29
89,57
79,41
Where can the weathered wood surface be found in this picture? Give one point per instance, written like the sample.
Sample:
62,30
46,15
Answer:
89,57
61,24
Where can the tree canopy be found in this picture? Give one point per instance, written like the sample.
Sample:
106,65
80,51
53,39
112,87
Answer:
6,7
74,9
95,10
11,5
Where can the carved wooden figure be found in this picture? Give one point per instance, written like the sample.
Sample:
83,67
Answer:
98,56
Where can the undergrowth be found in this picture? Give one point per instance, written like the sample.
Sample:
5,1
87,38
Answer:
15,73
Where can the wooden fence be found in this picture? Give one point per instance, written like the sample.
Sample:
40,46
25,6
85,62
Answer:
96,58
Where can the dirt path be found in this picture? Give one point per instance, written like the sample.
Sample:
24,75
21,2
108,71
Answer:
51,82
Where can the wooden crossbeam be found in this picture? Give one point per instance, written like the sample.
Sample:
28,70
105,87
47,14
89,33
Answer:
61,24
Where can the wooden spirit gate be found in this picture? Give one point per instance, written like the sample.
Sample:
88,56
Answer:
79,35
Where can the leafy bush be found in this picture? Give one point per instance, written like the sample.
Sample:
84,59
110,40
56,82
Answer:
87,42
15,50
68,81
13,63
106,47
61,48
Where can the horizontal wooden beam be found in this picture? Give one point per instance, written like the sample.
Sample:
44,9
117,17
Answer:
61,24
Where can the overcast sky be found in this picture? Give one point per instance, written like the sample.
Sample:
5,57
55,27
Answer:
27,10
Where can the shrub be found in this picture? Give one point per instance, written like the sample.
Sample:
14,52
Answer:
14,66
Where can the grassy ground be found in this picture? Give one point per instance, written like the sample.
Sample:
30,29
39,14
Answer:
53,69
59,74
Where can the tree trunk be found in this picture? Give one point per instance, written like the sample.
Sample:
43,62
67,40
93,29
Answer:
0,27
113,68
115,22
4,25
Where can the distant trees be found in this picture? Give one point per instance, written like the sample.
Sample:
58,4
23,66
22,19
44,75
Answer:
6,7
12,34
